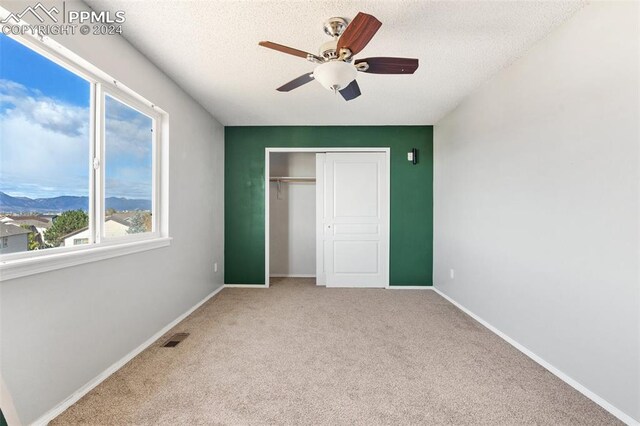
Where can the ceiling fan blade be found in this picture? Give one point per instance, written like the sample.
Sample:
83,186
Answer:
284,49
352,91
359,32
296,82
384,65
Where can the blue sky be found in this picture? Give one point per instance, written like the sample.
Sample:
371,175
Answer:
128,165
44,132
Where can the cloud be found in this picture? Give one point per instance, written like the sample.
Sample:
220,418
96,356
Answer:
38,162
49,113
127,130
127,188
128,162
44,146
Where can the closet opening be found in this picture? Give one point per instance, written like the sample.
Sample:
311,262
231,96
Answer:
327,216
292,215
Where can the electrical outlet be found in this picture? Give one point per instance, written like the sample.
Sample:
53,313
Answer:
452,273
215,267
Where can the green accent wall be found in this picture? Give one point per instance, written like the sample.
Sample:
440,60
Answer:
411,233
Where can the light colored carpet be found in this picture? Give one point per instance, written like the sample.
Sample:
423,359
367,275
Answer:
301,354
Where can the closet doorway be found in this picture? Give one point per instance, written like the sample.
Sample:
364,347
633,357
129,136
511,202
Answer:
327,215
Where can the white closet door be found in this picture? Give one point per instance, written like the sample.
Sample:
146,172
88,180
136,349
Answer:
355,228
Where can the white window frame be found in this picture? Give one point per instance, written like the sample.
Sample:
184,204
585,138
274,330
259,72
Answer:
102,93
15,265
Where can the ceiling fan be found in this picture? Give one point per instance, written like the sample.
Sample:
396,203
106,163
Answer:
337,69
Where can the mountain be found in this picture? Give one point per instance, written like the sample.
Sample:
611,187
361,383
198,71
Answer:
122,204
9,204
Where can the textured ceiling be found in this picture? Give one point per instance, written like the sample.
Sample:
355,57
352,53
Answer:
210,48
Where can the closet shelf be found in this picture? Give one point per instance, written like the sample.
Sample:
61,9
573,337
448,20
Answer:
291,179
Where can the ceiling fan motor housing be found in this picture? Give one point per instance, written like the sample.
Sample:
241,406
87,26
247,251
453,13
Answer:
328,50
333,27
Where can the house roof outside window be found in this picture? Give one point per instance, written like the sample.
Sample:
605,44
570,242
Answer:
8,230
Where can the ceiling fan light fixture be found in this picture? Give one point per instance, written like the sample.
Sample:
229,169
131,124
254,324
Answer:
335,75
335,71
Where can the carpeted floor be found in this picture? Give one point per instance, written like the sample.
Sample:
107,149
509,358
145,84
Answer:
301,354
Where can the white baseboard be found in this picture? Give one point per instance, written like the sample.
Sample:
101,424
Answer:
391,287
292,275
58,409
410,287
246,286
562,376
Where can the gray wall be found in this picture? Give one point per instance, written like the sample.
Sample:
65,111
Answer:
537,202
61,329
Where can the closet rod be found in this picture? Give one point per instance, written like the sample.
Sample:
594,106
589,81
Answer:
291,179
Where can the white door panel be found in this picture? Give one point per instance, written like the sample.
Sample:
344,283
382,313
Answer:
355,257
358,199
356,229
355,219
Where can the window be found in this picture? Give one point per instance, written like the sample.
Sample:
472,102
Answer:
79,153
44,145
5,242
128,169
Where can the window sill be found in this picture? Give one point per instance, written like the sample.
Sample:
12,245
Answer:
11,269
